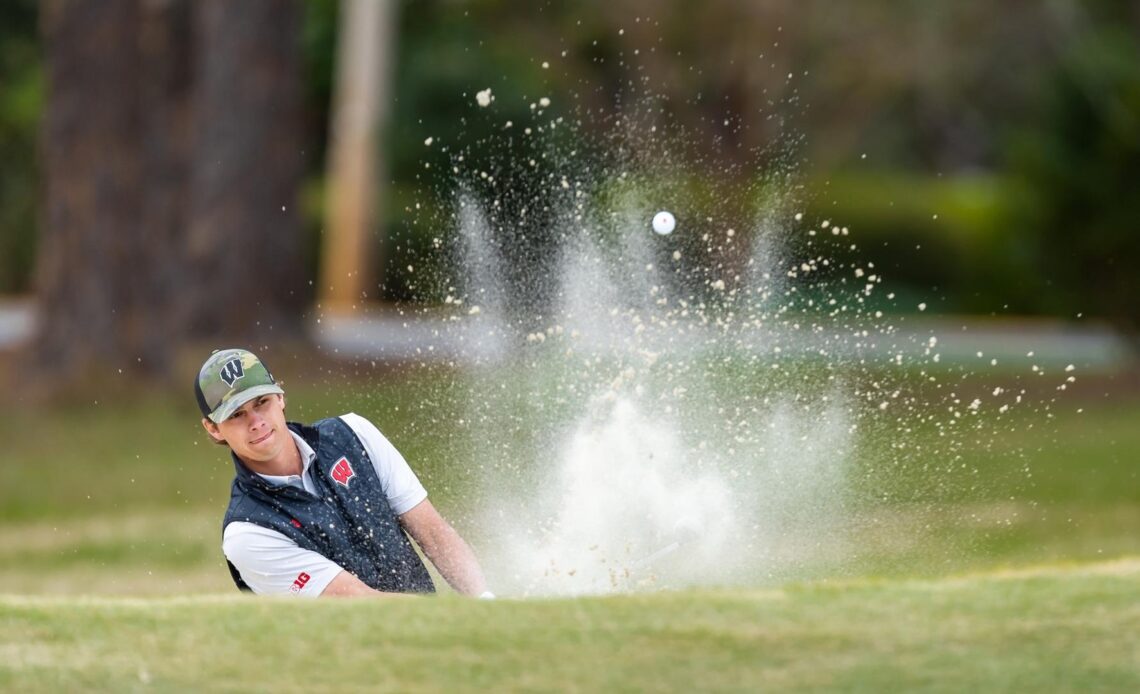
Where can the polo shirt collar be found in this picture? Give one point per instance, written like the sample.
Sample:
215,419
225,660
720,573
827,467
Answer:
308,455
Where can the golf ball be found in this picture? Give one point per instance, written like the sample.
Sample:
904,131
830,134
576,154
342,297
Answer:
663,222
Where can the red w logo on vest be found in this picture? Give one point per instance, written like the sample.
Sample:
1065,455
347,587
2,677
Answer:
342,472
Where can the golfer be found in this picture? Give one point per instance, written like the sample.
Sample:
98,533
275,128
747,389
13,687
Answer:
320,510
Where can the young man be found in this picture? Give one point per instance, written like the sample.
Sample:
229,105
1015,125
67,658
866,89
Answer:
322,509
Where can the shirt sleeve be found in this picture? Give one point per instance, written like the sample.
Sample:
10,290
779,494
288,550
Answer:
272,564
401,486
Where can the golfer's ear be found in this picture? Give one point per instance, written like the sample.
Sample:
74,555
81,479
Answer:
212,430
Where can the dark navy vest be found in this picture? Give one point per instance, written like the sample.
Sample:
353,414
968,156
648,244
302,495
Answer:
348,521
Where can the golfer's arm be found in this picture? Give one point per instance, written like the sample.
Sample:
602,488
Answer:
345,585
446,550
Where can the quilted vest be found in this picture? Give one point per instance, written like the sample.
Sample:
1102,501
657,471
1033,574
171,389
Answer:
348,520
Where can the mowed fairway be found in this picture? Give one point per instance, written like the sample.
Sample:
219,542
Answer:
111,575
1073,628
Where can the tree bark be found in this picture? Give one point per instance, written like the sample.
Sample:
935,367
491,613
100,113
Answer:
93,174
354,165
244,227
172,158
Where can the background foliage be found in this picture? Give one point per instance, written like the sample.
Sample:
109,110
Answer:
1002,139
20,101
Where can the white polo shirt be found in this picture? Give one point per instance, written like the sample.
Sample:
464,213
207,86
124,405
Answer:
272,564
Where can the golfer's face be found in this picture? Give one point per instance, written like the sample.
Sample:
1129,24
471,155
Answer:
256,431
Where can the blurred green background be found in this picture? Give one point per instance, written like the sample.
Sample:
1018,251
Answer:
984,154
1002,139
169,183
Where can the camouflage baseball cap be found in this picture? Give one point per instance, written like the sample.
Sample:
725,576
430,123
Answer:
229,379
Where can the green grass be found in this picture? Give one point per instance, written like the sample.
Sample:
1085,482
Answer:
1066,628
1011,565
94,459
126,499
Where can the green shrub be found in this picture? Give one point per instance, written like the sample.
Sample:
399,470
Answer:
21,93
955,241
1080,163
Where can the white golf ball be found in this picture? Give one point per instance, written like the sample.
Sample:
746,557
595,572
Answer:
663,222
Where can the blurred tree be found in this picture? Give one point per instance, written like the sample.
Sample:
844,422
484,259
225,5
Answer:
929,91
363,94
172,159
243,240
1080,161
20,97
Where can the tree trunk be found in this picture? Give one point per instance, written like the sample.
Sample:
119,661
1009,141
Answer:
93,174
243,255
172,158
354,165
166,40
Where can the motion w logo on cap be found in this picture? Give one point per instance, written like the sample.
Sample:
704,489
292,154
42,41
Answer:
231,372
229,379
